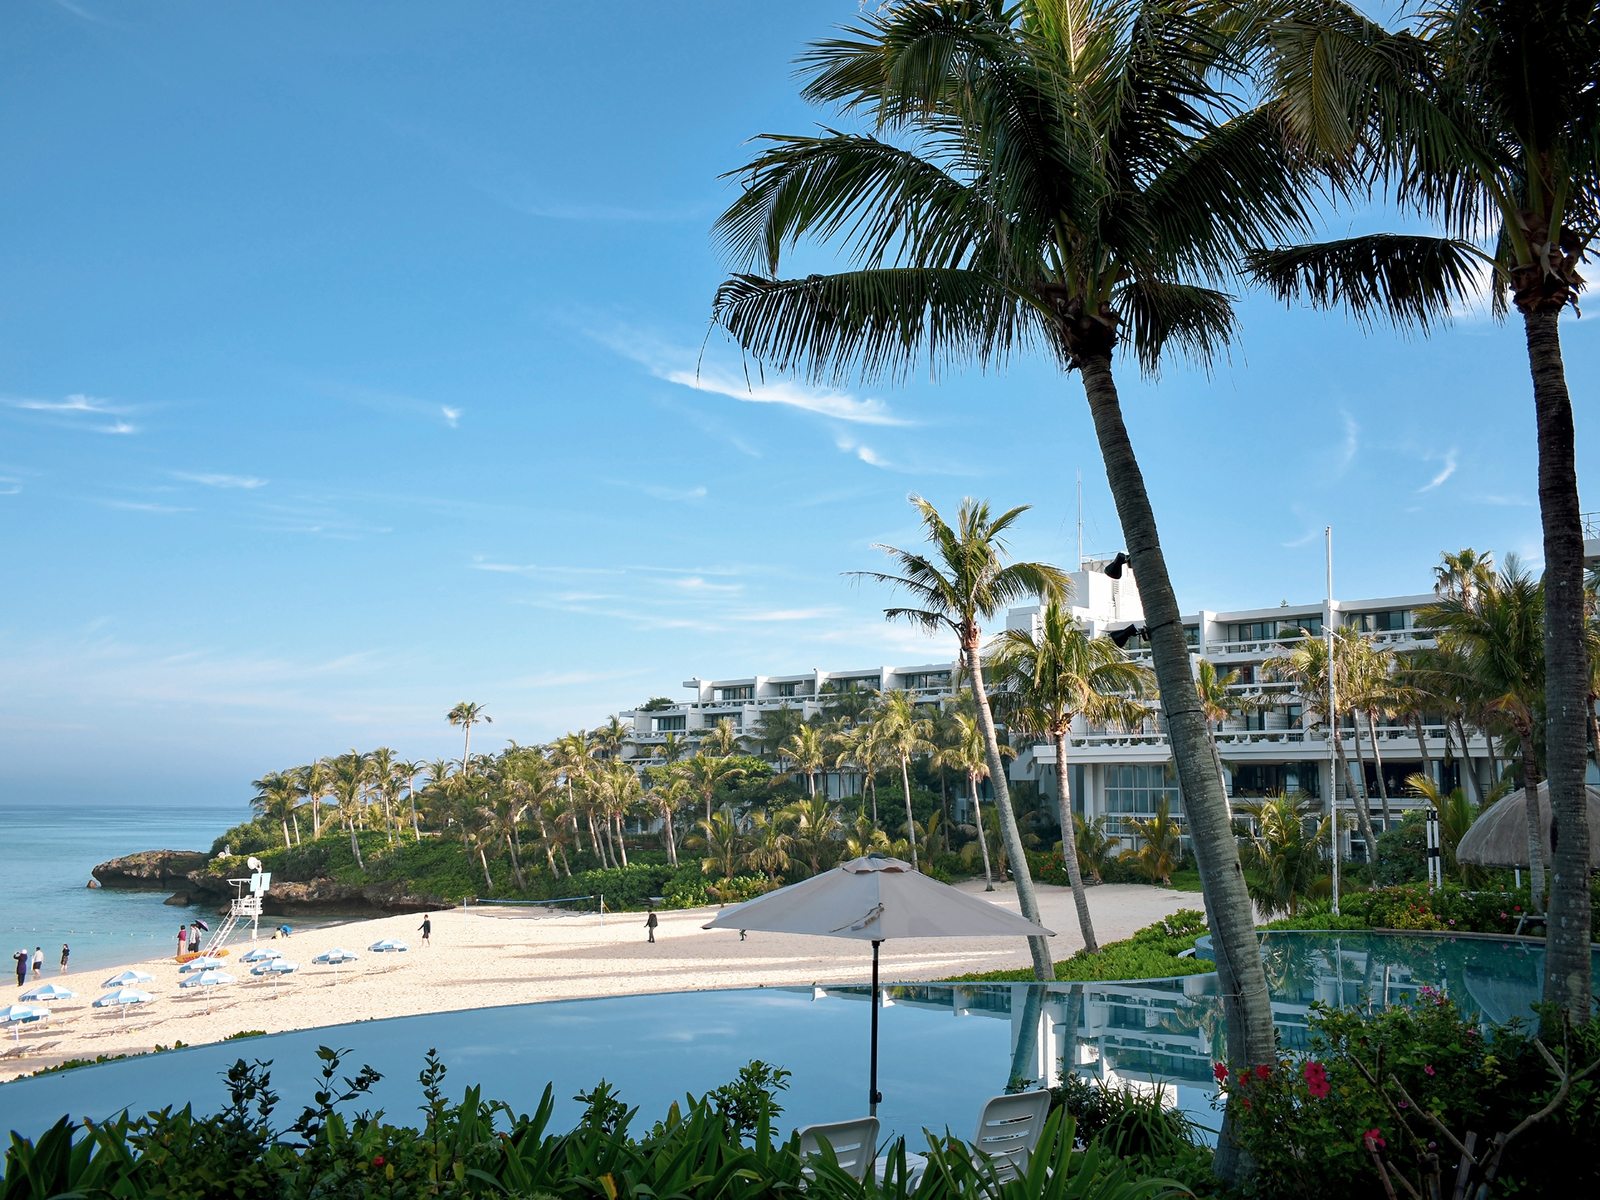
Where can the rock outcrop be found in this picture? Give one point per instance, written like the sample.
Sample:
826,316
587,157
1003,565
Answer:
152,870
198,880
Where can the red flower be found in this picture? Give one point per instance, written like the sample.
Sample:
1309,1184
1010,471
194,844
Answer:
378,1162
1263,1071
1317,1080
1374,1139
1220,1071
1245,1100
1427,1070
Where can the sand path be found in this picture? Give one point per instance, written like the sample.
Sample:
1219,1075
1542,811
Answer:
489,957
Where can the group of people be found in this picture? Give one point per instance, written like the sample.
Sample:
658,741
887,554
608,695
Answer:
23,960
188,939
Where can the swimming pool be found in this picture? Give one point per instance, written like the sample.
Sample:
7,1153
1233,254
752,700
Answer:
944,1047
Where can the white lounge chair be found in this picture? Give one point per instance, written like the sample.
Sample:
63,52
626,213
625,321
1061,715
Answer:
853,1144
1008,1130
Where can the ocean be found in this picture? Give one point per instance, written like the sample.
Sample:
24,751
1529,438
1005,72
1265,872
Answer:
46,853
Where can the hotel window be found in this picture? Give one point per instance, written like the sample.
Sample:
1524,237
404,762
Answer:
669,724
736,693
1139,789
794,689
1392,621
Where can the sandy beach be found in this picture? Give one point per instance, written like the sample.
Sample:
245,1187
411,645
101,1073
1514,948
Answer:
490,957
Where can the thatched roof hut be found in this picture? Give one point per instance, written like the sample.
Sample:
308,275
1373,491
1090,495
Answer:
1499,837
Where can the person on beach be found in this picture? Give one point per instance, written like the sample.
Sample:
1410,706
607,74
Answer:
650,924
66,953
21,959
194,939
38,961
427,928
183,939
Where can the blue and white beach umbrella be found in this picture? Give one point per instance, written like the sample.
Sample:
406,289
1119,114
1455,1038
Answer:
388,946
208,979
279,966
22,1014
261,954
127,978
122,998
334,957
47,992
197,966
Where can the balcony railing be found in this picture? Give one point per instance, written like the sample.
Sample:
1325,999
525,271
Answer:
1591,525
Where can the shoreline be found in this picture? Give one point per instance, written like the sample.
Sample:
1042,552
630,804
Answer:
480,960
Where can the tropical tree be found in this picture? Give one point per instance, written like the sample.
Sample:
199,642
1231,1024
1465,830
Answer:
1162,849
1456,815
807,750
815,831
962,583
1284,853
904,733
312,782
609,737
966,752
1096,847
1462,575
276,795
669,798
1218,700
723,843
1076,175
769,845
347,779
672,748
570,756
409,771
467,714
862,745
1046,680
499,812
722,741
775,727
704,772
1481,115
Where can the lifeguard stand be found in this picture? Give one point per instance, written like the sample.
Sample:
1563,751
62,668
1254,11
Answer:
245,906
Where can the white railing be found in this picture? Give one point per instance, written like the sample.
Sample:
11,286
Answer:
1114,739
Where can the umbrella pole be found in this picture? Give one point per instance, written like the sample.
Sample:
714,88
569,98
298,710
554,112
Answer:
873,1095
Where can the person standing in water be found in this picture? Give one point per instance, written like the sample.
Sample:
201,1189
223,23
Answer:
38,961
650,924
21,959
66,953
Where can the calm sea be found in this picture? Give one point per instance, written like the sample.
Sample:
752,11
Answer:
46,853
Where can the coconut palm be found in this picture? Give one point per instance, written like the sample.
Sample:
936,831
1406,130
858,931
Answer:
722,841
275,798
704,772
1045,680
722,741
1162,850
1075,177
807,750
1499,642
1218,700
966,752
672,748
775,727
1096,848
963,582
383,768
862,745
499,812
1462,575
815,831
570,756
347,780
1456,815
1481,115
904,733
313,784
1285,855
467,714
609,737
769,845
669,798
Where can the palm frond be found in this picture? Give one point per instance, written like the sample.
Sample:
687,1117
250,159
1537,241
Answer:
1197,322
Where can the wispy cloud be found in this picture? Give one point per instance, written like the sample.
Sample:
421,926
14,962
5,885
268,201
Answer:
666,493
141,506
1352,442
9,487
787,614
1449,470
221,481
694,583
1510,501
117,427
74,403
1301,541
865,453
451,415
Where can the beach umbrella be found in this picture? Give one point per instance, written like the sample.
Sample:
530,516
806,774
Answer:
125,978
262,954
200,965
208,979
202,924
388,946
274,968
334,957
874,899
22,1014
121,998
47,992
1499,837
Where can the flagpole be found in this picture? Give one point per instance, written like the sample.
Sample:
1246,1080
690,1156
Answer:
873,1095
1333,755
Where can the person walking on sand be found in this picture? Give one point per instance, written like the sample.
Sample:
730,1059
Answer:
38,961
66,953
183,939
650,924
426,927
194,939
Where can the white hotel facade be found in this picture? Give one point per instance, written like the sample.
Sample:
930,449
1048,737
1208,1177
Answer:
1114,772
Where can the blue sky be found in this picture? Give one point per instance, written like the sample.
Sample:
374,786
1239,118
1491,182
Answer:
348,370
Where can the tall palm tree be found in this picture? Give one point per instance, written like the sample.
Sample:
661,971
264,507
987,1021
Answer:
769,845
816,828
609,737
723,842
807,749
967,753
312,782
672,748
570,755
1218,700
862,745
775,727
1074,176
722,741
500,811
1162,850
704,772
1462,575
1456,815
962,583
348,778
383,768
905,734
1500,643
1481,115
669,798
467,714
276,796
1045,680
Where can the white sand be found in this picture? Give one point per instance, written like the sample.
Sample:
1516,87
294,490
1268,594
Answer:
481,960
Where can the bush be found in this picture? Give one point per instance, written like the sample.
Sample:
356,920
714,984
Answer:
1151,953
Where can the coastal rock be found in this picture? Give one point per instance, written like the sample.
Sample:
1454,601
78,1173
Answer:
178,900
150,870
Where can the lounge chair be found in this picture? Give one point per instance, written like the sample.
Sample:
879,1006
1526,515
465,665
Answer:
853,1144
1008,1130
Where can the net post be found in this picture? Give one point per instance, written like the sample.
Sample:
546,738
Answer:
602,910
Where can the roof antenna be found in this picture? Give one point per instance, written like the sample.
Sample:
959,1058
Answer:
1080,519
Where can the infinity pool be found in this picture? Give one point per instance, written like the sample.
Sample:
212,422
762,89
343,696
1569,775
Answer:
944,1048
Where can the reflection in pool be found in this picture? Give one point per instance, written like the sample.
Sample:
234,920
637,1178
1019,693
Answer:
945,1047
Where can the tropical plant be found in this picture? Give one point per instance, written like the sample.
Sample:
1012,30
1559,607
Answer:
1076,174
1481,115
904,733
1284,853
669,798
1047,678
965,752
347,779
722,842
275,798
722,741
807,750
1096,847
769,845
1456,815
704,772
1161,848
815,829
863,746
467,714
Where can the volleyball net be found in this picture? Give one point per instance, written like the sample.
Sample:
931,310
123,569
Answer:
565,908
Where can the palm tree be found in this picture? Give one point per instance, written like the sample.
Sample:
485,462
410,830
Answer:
1046,681
967,753
723,842
722,741
1456,815
1096,847
769,849
1279,849
467,714
408,771
816,826
704,772
1218,700
775,727
672,748
500,812
806,750
1076,176
1479,114
1462,575
1162,851
669,797
312,782
863,746
904,734
1500,643
382,766
964,582
609,737
276,796
348,778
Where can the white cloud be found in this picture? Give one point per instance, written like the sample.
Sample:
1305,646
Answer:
221,481
74,403
666,493
865,453
841,406
9,487
117,427
452,415
138,506
787,614
1449,470
1352,441
695,583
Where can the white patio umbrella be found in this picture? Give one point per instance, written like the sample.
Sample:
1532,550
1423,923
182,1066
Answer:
121,998
334,957
22,1014
261,954
126,978
208,979
275,968
388,946
874,899
46,992
198,966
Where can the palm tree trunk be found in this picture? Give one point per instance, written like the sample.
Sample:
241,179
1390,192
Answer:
1252,1039
911,832
983,841
1422,745
488,883
516,867
316,817
621,840
1043,969
355,846
1362,806
1530,792
672,841
1594,737
1566,680
565,865
1377,762
1069,845
1466,761
285,825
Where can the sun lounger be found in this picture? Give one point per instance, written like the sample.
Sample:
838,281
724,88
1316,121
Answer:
1008,1130
853,1143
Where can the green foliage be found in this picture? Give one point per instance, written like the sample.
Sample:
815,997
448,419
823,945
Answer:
1137,1127
1305,1121
72,1063
1448,908
245,1033
1151,953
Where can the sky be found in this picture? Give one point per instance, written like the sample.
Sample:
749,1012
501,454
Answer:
355,360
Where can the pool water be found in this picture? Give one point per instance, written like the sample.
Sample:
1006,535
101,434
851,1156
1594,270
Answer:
944,1048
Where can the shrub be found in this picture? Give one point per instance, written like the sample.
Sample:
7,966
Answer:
1151,953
